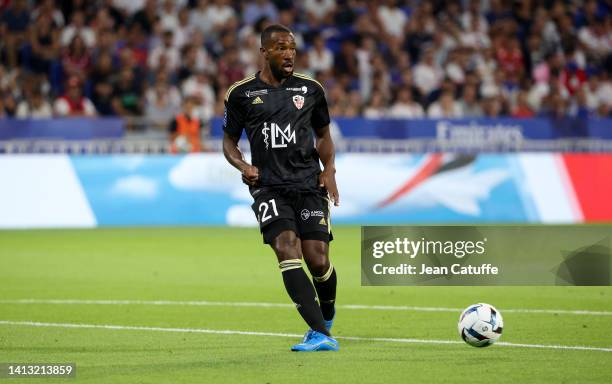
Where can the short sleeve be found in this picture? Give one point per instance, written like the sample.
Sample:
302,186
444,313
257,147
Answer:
233,118
320,113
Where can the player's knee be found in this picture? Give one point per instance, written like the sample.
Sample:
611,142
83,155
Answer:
316,258
319,265
285,246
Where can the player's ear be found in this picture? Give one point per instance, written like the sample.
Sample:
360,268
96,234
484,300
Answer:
264,51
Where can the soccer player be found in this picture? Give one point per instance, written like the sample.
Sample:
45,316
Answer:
282,112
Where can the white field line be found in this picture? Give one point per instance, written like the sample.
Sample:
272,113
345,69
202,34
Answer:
286,305
275,334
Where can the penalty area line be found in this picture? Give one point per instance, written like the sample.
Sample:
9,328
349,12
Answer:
285,305
286,335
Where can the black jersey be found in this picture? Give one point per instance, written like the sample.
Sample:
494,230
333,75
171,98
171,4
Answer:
279,123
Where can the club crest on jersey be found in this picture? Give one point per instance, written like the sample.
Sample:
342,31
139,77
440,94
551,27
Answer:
298,101
277,136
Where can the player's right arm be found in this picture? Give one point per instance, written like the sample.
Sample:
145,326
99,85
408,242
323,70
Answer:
233,154
233,124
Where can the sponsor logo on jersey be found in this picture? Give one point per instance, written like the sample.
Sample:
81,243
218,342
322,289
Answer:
302,89
276,136
257,100
298,101
256,93
306,214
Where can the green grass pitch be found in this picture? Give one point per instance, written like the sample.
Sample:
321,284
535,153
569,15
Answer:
232,265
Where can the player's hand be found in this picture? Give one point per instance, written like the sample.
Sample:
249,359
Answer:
327,179
250,175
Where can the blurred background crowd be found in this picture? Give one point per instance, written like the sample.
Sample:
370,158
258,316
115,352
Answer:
376,59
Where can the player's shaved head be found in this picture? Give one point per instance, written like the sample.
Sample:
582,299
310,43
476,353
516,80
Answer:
266,34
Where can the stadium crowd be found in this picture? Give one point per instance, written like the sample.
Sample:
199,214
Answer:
398,59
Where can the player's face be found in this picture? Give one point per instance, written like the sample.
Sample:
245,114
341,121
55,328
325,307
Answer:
280,54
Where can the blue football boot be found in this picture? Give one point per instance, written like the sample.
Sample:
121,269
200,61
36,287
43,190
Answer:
328,326
317,341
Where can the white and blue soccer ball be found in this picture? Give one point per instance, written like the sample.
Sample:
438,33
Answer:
480,325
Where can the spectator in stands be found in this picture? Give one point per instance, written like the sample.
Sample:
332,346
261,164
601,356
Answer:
522,109
48,9
162,102
318,10
102,21
87,8
454,68
186,130
445,107
255,10
203,61
510,57
554,106
44,44
376,108
106,43
579,108
392,18
604,95
353,106
8,105
229,67
249,55
222,17
73,103
183,31
128,7
405,107
115,13
137,43
102,84
78,27
470,105
189,63
199,89
200,18
597,37
320,58
167,52
492,106
346,60
35,107
10,85
127,61
13,28
147,17
168,20
475,35
427,74
127,100
76,60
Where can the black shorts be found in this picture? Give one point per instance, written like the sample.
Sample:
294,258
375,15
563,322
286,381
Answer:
306,214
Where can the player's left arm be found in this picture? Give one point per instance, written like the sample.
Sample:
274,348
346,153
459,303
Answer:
325,145
327,154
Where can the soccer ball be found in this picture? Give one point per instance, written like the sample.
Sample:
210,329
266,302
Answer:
480,325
